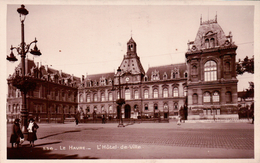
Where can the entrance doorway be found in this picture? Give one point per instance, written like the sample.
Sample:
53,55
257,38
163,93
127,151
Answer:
127,111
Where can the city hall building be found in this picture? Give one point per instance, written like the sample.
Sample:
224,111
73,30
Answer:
205,84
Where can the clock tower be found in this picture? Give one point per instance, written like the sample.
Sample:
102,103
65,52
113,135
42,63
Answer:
131,68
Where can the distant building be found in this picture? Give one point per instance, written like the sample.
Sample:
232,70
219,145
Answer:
161,91
55,95
206,84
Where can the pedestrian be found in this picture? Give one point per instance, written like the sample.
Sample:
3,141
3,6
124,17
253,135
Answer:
103,118
179,120
32,129
76,120
17,134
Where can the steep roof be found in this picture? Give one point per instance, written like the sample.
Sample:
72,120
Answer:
168,70
97,77
209,28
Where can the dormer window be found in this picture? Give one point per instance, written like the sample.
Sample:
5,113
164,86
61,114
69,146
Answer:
155,75
164,76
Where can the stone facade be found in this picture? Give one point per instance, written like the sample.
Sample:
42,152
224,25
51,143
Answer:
206,84
54,97
212,82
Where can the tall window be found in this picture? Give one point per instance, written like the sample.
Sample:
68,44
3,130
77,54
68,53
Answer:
228,97
102,97
207,43
95,97
194,98
212,43
88,98
215,97
165,106
110,109
155,106
127,94
210,71
165,92
118,95
110,96
146,107
146,93
136,94
206,97
175,92
185,91
80,98
155,93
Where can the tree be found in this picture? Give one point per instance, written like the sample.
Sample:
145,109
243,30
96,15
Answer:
247,65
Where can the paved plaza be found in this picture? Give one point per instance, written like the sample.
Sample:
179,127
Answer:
139,141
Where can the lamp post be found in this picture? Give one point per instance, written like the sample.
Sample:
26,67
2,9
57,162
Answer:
22,50
119,101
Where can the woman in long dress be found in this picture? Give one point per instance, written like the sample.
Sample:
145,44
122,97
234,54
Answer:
16,133
32,128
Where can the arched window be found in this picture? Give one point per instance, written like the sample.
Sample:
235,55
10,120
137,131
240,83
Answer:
210,71
95,97
80,98
215,97
165,106
110,109
155,106
212,43
102,109
194,98
110,96
146,93
207,43
102,97
155,93
136,94
165,92
206,97
228,97
175,92
127,94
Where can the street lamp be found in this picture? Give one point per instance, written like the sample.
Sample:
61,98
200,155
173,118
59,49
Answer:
119,101
22,49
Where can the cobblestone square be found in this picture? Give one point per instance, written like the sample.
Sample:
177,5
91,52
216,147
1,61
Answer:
139,141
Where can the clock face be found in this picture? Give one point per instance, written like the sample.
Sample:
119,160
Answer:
127,79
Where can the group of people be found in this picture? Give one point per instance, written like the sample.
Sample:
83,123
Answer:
17,136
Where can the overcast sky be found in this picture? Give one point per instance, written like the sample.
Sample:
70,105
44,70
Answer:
90,39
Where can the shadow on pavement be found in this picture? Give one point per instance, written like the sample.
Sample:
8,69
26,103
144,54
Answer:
59,133
39,153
